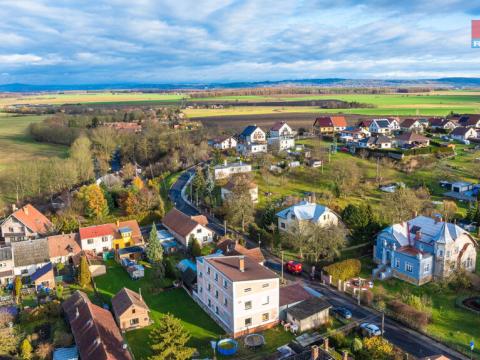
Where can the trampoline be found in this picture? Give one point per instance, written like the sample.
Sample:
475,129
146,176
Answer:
254,340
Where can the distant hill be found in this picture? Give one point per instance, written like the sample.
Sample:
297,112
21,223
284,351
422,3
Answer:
454,82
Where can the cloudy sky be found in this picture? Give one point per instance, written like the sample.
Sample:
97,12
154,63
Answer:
161,41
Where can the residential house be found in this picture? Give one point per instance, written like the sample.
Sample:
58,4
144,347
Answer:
353,135
329,124
412,139
62,248
95,262
224,143
442,124
364,124
309,314
281,136
230,247
252,140
95,332
463,133
184,228
97,238
227,169
43,277
411,125
375,142
238,293
423,249
124,126
6,265
24,224
127,234
291,295
227,190
30,255
380,126
394,124
306,211
130,310
470,120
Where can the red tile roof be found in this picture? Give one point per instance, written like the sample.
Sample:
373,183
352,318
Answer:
94,329
339,121
33,219
408,123
231,247
97,231
330,121
181,223
292,294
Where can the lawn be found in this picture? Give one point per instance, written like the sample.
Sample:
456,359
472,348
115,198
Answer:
16,145
451,325
176,302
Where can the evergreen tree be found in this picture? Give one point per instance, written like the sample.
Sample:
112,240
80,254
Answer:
26,349
196,248
154,249
168,340
84,276
18,288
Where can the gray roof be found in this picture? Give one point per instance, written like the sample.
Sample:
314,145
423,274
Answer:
383,123
304,210
30,252
5,253
308,308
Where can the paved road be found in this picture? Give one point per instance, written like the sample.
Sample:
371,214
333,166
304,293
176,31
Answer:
409,340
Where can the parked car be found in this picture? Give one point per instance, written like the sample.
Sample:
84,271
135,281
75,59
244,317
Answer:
369,329
294,267
273,265
343,312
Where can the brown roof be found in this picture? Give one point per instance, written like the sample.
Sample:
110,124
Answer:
125,299
411,136
229,267
231,247
91,257
407,123
231,185
180,223
201,219
469,120
435,357
293,294
63,245
94,329
330,121
460,130
136,232
33,219
278,125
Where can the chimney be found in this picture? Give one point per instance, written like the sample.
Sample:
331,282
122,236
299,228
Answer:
14,207
315,353
241,263
325,344
225,162
25,210
118,223
418,235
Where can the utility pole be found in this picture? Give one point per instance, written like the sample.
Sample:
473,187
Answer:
282,268
378,163
224,227
383,321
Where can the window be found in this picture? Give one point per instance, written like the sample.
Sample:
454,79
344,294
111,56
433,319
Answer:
225,284
225,302
201,289
200,274
205,238
408,267
105,249
265,285
216,310
426,268
209,303
199,231
248,322
247,290
265,300
216,294
208,270
440,253
90,241
456,249
282,225
24,271
293,216
469,263
133,311
248,305
216,277
134,321
11,229
208,287
397,263
104,238
448,254
265,317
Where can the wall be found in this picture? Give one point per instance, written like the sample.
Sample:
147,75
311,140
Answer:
98,245
141,314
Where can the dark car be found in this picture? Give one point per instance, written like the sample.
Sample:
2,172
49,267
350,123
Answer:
343,312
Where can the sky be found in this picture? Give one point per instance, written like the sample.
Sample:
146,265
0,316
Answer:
190,41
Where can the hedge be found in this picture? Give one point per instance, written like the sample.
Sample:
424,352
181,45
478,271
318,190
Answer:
344,270
408,314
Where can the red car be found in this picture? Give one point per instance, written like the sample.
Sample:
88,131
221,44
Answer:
294,267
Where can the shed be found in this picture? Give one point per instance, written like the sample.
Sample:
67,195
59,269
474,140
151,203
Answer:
130,252
309,314
44,277
290,296
70,353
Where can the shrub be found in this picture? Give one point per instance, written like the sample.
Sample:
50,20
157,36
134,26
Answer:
459,280
420,303
367,297
344,270
26,349
44,351
338,340
377,348
357,345
62,339
408,314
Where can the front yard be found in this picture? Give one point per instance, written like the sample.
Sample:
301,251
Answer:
174,301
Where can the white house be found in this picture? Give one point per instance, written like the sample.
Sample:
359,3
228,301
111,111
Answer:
252,140
380,126
225,143
30,255
442,123
463,133
394,124
353,135
25,223
62,248
184,228
226,170
375,142
306,211
413,125
241,295
6,265
252,189
97,238
281,136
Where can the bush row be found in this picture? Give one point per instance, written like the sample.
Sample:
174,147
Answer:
344,270
408,314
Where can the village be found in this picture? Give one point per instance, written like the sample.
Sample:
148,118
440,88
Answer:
233,269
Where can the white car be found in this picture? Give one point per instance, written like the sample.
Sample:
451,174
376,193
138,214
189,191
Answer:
370,329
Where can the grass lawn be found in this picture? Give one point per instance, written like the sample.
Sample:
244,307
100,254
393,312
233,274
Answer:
165,186
452,325
177,302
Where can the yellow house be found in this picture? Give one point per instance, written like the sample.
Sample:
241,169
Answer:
127,234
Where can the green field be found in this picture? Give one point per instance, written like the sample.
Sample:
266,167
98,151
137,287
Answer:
16,145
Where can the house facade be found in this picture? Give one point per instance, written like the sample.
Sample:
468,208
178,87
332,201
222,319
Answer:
30,255
238,293
442,123
97,238
228,169
380,126
24,224
281,136
130,310
470,120
6,265
252,140
412,139
329,124
423,249
413,125
252,189
375,142
463,133
306,211
224,143
185,228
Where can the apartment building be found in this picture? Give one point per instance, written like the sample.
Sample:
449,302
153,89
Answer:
238,293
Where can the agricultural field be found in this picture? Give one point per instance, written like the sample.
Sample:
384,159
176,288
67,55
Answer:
16,145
